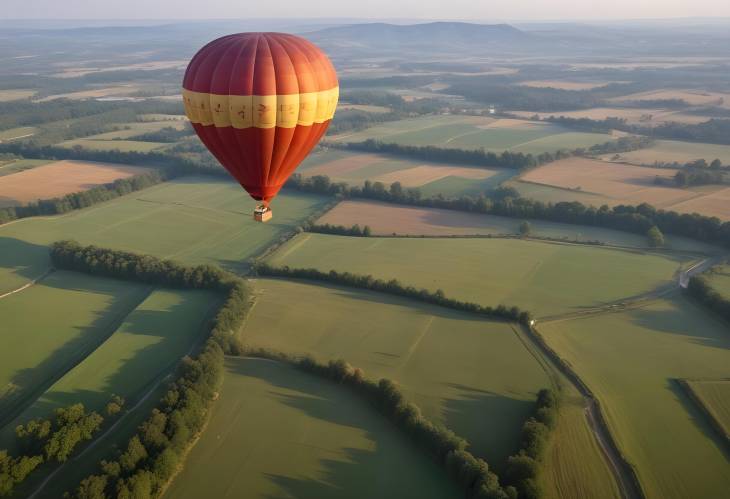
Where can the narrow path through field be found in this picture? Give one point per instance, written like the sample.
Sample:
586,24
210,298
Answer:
31,283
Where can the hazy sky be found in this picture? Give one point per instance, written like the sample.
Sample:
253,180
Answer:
484,10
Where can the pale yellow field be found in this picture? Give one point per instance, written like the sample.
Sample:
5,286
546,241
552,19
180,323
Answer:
348,164
635,116
115,91
362,107
692,97
15,94
149,66
618,183
60,178
563,85
669,151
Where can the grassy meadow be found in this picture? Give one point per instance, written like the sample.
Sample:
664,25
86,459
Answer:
474,132
40,344
631,360
149,343
194,219
545,278
475,376
279,432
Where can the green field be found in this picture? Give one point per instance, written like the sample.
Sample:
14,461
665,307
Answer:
719,279
715,396
475,376
149,343
194,220
49,327
631,360
574,466
17,133
472,132
550,194
545,278
669,151
279,432
113,145
19,165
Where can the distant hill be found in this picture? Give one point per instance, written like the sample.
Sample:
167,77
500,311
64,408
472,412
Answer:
435,36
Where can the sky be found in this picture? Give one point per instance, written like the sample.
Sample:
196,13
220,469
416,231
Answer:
474,10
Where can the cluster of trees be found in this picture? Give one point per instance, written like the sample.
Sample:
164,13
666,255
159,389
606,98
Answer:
82,199
339,230
622,144
153,453
475,157
523,467
700,289
637,219
48,439
168,135
693,176
655,237
470,473
394,287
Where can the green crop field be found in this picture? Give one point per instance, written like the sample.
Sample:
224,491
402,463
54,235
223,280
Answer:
51,326
715,396
574,465
545,278
471,132
112,145
17,133
149,343
719,279
631,360
193,219
279,432
550,194
475,376
19,165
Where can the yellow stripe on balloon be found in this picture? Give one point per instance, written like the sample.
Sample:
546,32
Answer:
260,111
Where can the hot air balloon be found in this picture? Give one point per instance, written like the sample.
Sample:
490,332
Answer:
260,102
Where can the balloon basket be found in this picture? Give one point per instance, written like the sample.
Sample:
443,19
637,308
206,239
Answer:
262,213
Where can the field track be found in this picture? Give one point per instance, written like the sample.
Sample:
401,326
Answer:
26,286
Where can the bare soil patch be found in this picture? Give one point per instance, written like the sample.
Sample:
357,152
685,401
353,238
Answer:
60,178
345,165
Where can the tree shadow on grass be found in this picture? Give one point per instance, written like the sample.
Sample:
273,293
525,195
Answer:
24,259
697,417
677,321
393,468
492,422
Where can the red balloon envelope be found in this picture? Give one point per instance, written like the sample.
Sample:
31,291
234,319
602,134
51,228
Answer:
260,102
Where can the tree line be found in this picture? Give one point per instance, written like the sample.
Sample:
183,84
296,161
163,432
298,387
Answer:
339,230
394,287
523,467
152,455
83,199
51,439
471,474
700,289
637,219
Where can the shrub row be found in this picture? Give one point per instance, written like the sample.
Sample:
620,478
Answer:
523,467
637,219
339,230
78,200
700,289
152,455
394,287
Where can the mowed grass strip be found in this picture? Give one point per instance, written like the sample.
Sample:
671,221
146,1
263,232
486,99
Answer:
148,344
387,219
715,396
574,465
60,178
631,361
545,278
195,220
279,432
473,375
51,326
